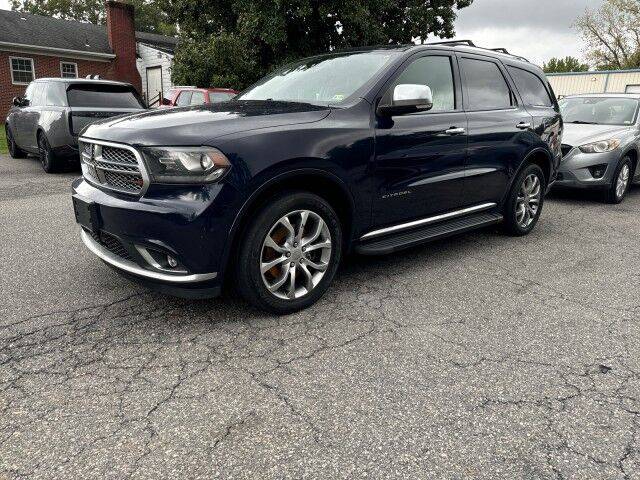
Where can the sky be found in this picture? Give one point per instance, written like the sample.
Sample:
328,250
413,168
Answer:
536,29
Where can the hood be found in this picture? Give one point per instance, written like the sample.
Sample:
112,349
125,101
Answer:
203,124
577,134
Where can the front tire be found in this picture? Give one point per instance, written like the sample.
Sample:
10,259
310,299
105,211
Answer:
621,182
524,203
50,163
290,253
12,146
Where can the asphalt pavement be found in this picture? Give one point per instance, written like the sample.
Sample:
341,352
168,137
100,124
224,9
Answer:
481,356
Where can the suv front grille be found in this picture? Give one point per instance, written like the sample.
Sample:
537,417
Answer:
114,167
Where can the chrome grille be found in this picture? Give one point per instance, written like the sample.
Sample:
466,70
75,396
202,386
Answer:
113,167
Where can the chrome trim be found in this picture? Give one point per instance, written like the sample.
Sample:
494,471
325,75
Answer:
151,261
425,221
141,166
134,269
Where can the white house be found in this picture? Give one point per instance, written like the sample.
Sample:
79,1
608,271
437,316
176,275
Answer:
154,59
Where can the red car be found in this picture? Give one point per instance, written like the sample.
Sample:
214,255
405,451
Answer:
184,96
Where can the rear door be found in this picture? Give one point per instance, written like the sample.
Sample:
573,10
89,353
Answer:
31,115
90,102
499,129
420,157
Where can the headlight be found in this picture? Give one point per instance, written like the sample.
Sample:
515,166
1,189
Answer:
600,147
185,164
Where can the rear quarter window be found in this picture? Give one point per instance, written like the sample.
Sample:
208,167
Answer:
531,87
103,96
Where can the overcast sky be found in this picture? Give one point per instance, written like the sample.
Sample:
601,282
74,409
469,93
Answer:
536,29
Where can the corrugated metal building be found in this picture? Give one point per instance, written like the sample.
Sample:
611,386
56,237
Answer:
609,81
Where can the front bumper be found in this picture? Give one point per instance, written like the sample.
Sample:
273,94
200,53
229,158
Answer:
137,235
576,169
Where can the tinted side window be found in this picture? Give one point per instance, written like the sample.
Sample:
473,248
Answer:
197,98
531,88
184,99
486,87
437,74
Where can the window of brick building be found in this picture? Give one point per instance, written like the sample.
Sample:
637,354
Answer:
22,71
68,70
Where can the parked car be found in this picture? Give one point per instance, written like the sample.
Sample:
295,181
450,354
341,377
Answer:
186,96
601,143
370,151
47,120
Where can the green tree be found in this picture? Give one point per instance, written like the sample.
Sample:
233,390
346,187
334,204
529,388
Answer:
566,64
150,15
232,43
612,34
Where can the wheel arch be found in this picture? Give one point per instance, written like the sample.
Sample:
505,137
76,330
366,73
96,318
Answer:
537,156
320,182
633,153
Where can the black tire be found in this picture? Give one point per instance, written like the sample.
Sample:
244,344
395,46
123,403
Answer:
14,150
512,225
611,195
248,275
50,163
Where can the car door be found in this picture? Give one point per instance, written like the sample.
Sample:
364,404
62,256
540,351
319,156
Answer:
31,116
499,129
19,114
539,100
420,157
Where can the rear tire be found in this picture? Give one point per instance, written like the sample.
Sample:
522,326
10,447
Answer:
14,150
525,200
50,162
622,179
295,235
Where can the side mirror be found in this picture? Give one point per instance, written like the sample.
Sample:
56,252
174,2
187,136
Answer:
18,101
408,98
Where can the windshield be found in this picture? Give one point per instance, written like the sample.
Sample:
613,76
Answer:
320,80
103,96
599,110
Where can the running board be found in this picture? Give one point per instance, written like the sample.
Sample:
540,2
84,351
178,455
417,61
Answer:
392,243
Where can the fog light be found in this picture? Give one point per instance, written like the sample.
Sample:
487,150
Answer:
173,263
598,171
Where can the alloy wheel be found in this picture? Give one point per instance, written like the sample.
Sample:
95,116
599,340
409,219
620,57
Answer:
43,151
295,254
528,200
623,180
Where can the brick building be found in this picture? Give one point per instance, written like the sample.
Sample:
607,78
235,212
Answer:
34,46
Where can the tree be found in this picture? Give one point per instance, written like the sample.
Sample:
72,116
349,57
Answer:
612,34
566,64
232,43
150,15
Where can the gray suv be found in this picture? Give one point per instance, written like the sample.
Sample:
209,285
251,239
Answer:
601,143
47,120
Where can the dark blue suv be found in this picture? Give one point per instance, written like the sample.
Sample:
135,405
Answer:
369,150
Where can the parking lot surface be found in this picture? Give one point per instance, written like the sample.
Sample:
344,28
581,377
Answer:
481,356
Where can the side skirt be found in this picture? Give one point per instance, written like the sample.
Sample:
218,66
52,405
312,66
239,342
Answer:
405,239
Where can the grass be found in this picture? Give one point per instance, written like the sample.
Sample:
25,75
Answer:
3,141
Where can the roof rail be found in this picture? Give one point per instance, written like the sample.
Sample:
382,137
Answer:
455,42
469,43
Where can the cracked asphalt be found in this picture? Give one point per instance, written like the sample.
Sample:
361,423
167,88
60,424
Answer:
482,356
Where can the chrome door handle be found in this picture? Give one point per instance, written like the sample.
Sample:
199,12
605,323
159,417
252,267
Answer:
523,126
455,131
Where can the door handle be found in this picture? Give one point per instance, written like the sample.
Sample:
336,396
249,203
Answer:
523,125
455,131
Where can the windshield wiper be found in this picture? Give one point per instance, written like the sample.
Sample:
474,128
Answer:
582,122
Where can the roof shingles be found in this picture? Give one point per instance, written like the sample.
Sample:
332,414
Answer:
40,31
